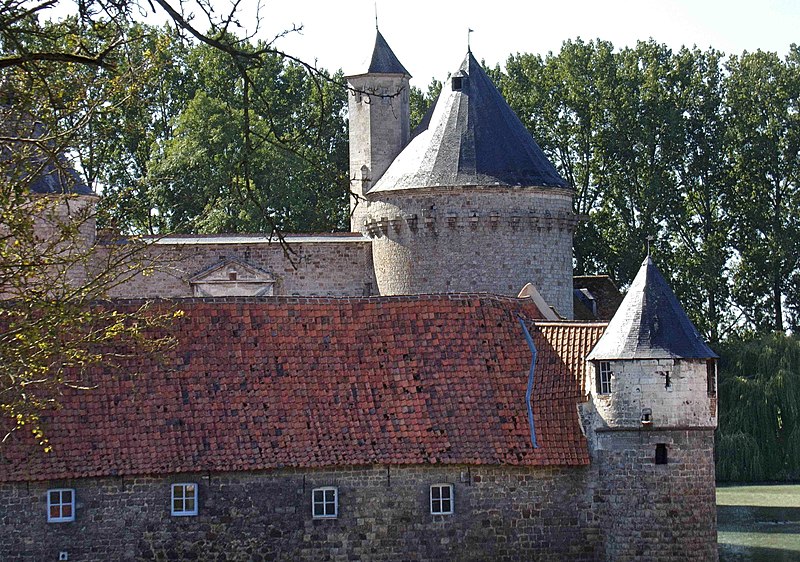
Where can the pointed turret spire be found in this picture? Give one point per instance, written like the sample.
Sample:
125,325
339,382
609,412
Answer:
383,60
650,324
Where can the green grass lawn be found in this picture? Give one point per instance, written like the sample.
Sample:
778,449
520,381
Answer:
759,523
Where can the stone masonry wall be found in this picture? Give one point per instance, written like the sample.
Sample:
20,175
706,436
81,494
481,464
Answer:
649,511
311,269
474,239
637,385
501,513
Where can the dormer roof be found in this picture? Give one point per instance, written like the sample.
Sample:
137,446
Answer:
473,138
383,60
650,324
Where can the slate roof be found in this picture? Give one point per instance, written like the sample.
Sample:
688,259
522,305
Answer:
602,289
473,138
383,60
53,173
313,382
651,324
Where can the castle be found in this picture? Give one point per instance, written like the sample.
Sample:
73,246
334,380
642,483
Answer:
384,394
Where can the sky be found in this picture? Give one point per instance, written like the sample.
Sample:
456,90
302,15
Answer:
430,36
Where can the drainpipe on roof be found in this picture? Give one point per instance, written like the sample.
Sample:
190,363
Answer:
529,393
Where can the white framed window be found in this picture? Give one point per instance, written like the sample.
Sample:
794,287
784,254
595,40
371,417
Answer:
604,377
184,499
325,502
442,499
60,505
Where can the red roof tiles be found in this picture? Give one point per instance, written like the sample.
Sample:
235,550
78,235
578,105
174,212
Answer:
305,382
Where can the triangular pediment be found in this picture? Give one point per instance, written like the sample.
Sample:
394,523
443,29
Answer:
232,277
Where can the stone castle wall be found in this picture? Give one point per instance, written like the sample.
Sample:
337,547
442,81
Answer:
650,511
501,513
320,268
472,240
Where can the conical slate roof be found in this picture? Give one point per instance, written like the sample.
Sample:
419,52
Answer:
45,171
383,60
473,138
650,324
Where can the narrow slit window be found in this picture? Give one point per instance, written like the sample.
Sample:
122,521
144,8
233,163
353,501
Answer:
661,454
603,376
442,499
711,377
667,381
325,503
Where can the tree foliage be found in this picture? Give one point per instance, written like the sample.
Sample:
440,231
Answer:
99,92
669,146
759,409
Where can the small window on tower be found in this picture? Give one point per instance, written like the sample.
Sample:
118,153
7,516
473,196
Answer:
458,83
711,377
603,377
661,453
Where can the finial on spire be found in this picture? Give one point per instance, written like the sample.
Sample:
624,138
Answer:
376,15
649,239
469,31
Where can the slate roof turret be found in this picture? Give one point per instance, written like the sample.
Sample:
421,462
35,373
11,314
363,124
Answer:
46,170
472,138
383,60
650,324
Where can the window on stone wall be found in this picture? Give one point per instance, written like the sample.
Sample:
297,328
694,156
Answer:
603,377
325,502
442,499
60,505
184,499
661,453
711,377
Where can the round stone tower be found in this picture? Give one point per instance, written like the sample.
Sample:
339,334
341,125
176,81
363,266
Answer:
379,123
472,203
650,424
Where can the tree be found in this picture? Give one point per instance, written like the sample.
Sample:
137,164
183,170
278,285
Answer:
421,102
289,175
67,91
759,409
763,98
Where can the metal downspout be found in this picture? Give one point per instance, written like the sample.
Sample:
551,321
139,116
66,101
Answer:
529,393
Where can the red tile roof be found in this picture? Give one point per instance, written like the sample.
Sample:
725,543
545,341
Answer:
313,382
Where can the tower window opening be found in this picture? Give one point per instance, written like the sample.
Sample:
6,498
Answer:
667,381
603,377
457,83
711,377
661,453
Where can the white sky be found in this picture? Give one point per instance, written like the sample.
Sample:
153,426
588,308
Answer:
430,36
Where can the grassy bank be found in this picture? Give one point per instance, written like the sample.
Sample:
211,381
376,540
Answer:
759,523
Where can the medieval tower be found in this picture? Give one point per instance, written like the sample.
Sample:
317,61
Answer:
471,204
651,425
379,123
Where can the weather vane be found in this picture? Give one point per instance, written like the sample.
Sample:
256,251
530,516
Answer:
376,15
469,31
649,239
